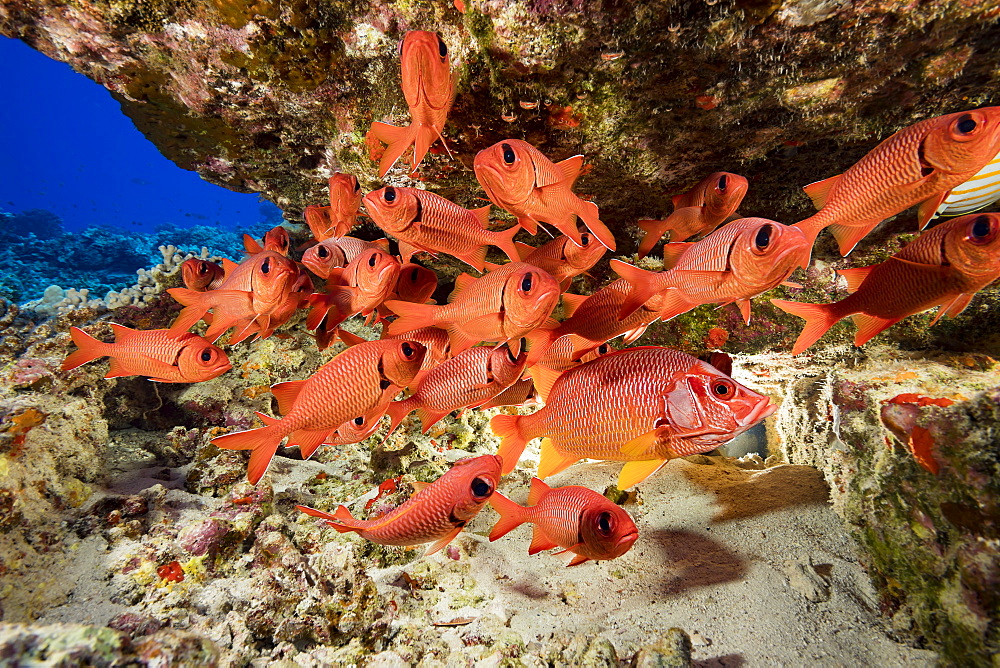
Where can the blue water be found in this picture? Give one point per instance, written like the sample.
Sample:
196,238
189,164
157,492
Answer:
67,149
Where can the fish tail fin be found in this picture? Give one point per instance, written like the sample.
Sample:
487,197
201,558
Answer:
654,229
396,411
195,305
641,283
589,214
262,442
505,242
411,316
89,349
396,139
540,341
250,245
508,428
819,318
511,515
423,137
340,519
684,223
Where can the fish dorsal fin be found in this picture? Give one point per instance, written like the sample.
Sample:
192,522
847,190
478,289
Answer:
538,490
482,214
544,378
855,277
672,253
676,199
635,472
571,303
228,266
523,250
251,245
266,419
286,393
350,339
121,331
552,461
462,282
418,486
820,190
539,541
570,168
441,542
929,207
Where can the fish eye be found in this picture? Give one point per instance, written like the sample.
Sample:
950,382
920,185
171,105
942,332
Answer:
414,274
371,260
603,349
966,124
510,354
408,350
206,355
442,48
481,488
508,153
390,194
526,283
203,268
605,523
584,240
357,185
322,252
723,388
981,231
359,421
763,238
265,267
723,181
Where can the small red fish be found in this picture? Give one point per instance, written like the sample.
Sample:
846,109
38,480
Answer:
435,340
336,252
577,519
519,394
435,514
517,177
943,267
415,284
740,260
351,384
423,221
698,211
467,380
562,257
276,240
201,275
920,164
163,356
502,306
352,431
345,200
429,89
643,406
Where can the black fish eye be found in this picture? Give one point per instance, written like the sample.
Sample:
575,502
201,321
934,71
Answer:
360,420
584,240
526,283
442,48
265,268
723,389
605,523
510,356
371,260
206,355
414,274
481,488
508,153
966,124
203,268
322,252
981,227
722,182
390,194
357,185
763,238
408,350
603,349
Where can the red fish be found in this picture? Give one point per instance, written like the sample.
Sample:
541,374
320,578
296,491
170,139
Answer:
643,406
415,284
467,380
738,261
157,353
435,514
423,221
517,177
698,211
920,164
336,252
345,200
276,240
562,257
575,518
435,340
429,90
352,431
351,384
201,275
943,267
519,394
504,305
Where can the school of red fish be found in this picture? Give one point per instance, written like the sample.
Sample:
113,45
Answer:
495,342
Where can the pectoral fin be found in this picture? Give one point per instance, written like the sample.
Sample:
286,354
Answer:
441,542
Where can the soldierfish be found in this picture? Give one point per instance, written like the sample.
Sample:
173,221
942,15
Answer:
503,305
517,177
575,518
276,240
351,384
643,406
920,164
943,267
415,284
698,211
429,90
201,275
345,200
435,340
467,380
435,514
335,252
423,221
163,356
562,257
740,260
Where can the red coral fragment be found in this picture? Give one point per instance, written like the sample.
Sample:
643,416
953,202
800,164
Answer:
18,426
716,338
921,443
563,117
171,572
919,400
706,102
386,487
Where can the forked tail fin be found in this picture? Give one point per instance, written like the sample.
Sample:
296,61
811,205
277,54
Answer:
589,214
819,318
508,428
641,283
511,515
340,519
411,316
396,139
89,349
263,443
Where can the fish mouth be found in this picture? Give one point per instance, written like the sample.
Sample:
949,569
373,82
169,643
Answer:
627,540
762,410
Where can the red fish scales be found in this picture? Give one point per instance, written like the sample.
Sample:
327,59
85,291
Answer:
596,319
558,514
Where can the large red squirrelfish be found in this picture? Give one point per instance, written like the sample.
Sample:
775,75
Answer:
920,164
504,305
201,275
276,240
335,252
467,380
423,221
575,518
943,267
435,514
429,89
163,356
351,384
517,177
643,406
738,261
698,211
